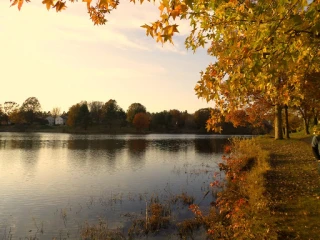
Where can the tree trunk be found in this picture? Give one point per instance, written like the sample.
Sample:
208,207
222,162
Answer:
287,121
306,126
278,134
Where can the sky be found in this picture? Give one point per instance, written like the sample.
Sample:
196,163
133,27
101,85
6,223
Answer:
62,59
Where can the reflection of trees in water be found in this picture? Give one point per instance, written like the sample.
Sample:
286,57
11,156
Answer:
28,155
213,145
32,143
137,146
171,145
110,145
19,144
137,149
99,152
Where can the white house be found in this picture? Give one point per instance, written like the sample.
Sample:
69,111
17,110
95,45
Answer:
50,120
59,121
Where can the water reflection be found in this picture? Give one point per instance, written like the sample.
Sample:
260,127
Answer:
110,145
210,145
67,170
137,147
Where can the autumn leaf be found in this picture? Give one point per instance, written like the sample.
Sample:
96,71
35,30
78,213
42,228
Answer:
103,3
20,4
48,3
60,6
14,2
174,14
161,8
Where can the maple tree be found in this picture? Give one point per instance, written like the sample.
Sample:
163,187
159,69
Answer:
268,46
133,109
141,121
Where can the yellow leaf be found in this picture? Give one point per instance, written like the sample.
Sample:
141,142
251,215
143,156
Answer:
161,8
159,38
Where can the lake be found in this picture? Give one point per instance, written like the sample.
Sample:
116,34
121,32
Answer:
52,184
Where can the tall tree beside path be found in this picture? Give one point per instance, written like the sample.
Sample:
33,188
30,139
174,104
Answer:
261,45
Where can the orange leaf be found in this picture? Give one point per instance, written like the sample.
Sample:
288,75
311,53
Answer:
20,4
48,3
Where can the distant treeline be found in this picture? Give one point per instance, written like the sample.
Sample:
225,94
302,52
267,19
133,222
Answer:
110,117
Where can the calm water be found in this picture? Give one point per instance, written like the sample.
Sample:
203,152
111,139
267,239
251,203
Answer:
51,184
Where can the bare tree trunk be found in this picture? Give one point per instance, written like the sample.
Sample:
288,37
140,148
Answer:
278,134
306,125
287,120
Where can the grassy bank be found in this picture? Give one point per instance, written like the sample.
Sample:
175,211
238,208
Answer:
272,192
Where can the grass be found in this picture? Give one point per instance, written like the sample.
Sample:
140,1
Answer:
293,186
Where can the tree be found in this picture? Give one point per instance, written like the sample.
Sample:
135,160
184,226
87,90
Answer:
83,118
141,121
177,119
160,121
113,114
96,111
73,115
17,117
309,105
79,116
133,109
238,118
30,107
55,112
201,117
256,45
9,107
2,115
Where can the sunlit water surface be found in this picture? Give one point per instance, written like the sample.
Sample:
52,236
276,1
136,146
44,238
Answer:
52,184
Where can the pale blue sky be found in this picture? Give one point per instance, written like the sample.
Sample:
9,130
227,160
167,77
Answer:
62,59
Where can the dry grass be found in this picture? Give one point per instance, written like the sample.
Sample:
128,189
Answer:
101,231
